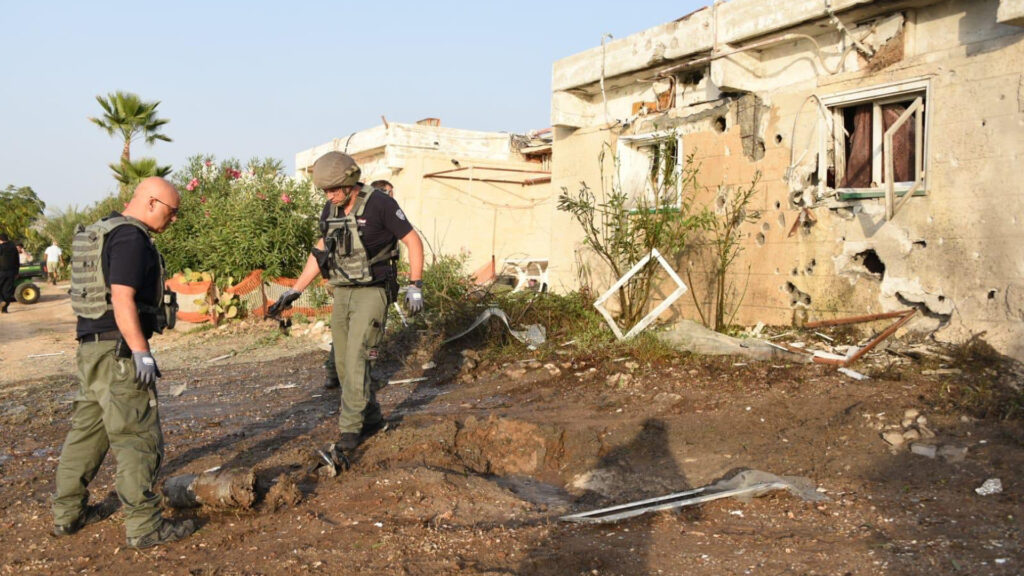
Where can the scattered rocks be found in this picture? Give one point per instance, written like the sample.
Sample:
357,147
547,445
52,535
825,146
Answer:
894,438
619,380
552,370
667,398
990,487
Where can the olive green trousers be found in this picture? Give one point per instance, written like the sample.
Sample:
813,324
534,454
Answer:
357,326
111,413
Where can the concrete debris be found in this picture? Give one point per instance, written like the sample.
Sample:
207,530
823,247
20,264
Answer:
693,337
853,373
926,450
990,487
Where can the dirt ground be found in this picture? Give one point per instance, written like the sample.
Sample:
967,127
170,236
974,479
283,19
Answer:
483,457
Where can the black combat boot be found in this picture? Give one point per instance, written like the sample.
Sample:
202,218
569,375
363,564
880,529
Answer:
166,531
91,515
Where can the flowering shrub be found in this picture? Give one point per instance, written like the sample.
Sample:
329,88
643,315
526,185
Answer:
233,220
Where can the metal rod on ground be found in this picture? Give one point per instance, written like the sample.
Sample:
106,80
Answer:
885,334
61,353
857,319
678,500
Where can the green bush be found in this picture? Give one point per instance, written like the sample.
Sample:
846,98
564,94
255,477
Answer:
233,220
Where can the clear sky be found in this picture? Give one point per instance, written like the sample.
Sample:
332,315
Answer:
268,79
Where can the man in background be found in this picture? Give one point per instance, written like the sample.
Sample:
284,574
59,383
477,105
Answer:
53,256
8,271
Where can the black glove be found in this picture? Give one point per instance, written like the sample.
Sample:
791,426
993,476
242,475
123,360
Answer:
283,303
146,370
414,299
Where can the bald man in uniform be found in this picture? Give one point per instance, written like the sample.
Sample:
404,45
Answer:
117,294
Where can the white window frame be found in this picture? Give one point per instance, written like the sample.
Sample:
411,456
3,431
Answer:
631,148
877,96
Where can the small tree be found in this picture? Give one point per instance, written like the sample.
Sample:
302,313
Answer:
623,225
233,220
724,237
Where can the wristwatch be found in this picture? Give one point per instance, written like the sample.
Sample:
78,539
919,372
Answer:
416,283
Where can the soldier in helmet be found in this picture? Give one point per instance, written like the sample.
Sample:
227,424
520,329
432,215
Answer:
357,254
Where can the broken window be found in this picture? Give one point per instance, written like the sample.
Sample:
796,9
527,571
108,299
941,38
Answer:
876,131
649,167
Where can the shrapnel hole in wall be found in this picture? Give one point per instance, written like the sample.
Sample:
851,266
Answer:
797,297
871,262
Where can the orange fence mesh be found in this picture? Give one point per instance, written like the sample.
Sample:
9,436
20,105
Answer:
256,294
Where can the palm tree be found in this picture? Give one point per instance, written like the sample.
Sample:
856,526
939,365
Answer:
125,114
130,173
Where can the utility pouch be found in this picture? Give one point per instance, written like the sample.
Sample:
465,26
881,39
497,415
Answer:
170,309
348,242
121,349
391,286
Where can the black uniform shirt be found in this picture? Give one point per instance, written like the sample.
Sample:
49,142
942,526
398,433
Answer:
8,257
130,259
382,222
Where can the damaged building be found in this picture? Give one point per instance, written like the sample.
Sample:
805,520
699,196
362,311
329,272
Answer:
882,135
483,195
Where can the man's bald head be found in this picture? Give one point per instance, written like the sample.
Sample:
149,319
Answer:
155,203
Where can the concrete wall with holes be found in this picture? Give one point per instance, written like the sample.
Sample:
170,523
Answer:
812,253
466,214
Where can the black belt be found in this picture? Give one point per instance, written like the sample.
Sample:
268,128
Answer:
100,336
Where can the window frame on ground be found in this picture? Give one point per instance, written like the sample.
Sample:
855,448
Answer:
878,97
649,148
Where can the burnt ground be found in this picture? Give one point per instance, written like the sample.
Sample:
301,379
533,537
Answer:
482,458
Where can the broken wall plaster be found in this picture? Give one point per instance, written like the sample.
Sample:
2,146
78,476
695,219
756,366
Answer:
750,113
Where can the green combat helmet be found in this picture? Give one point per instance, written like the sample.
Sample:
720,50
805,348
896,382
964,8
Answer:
334,170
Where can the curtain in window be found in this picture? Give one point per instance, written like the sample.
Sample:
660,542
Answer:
902,142
858,148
